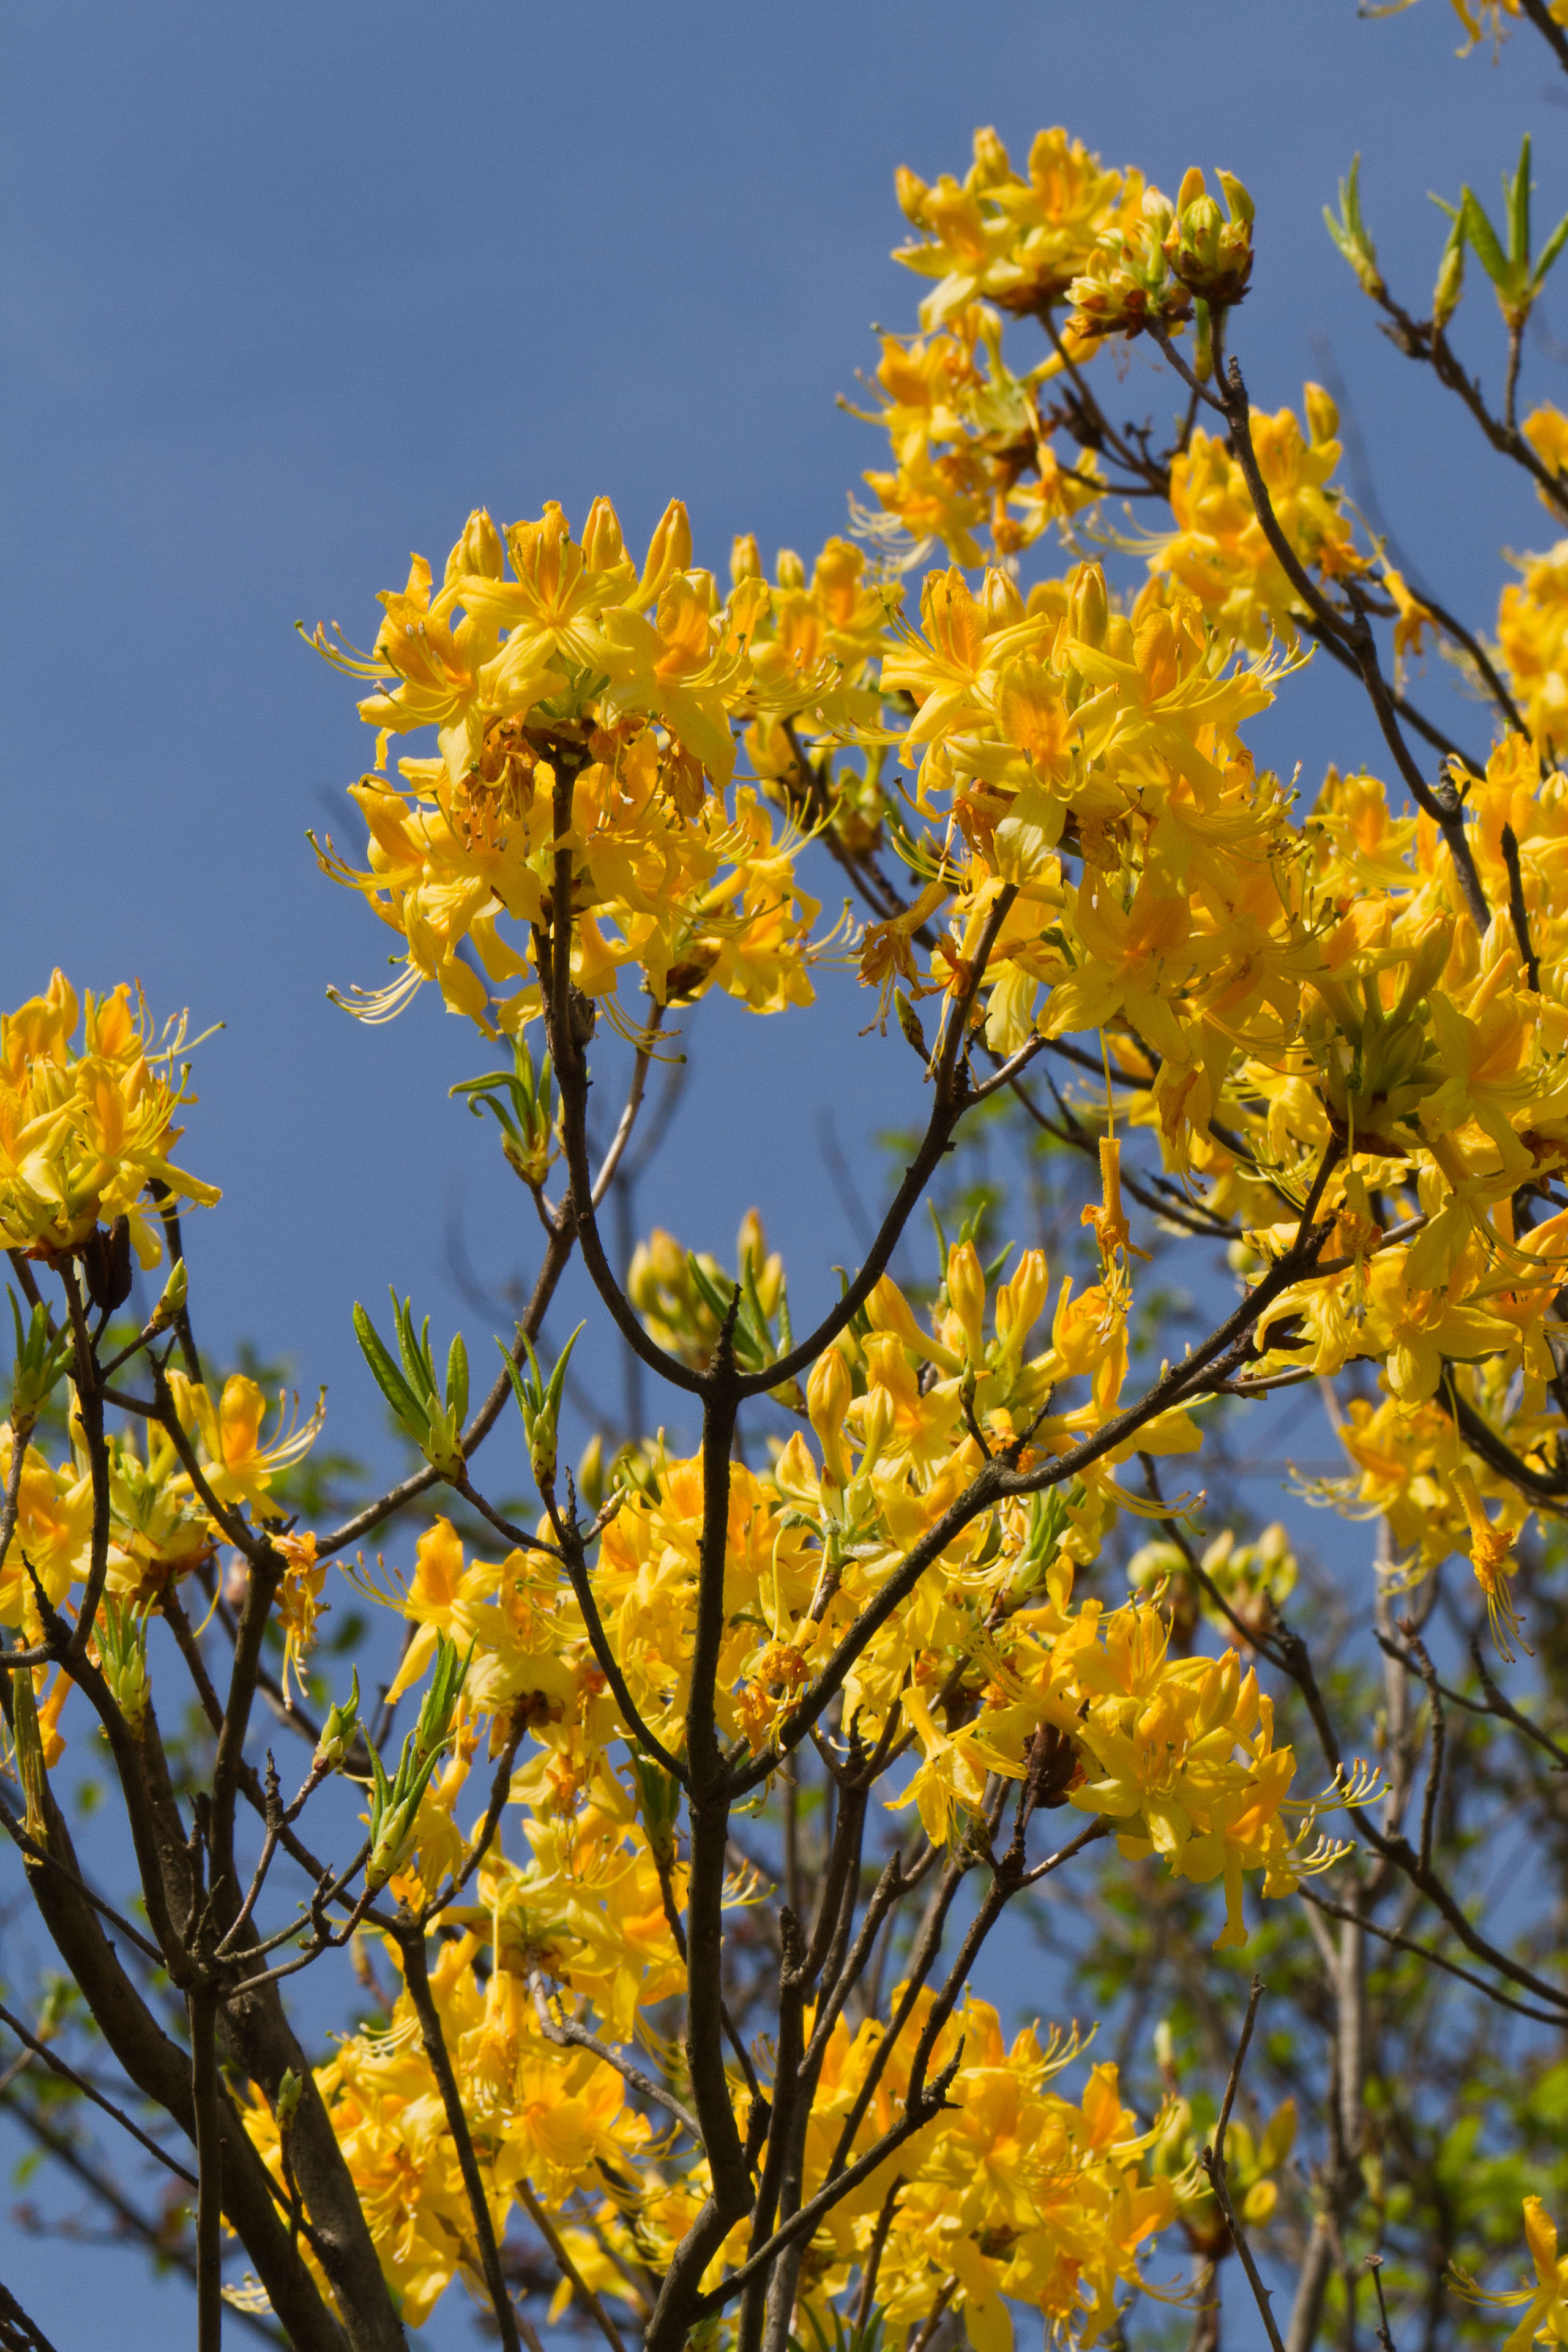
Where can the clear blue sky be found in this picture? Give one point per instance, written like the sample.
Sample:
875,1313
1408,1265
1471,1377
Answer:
287,291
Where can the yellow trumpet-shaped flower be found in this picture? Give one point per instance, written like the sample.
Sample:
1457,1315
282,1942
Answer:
1545,2318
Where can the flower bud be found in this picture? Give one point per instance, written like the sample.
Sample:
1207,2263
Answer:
668,553
479,550
790,570
1003,604
1242,208
887,1309
1194,185
827,1399
992,165
967,1295
1019,1303
1088,604
1210,255
1322,415
751,1243
603,546
876,1427
1428,949
746,563
911,193
591,1473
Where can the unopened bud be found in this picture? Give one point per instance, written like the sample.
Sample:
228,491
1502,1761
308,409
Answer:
338,1731
967,1295
911,192
1322,415
1088,604
827,1399
670,551
603,546
174,1293
479,550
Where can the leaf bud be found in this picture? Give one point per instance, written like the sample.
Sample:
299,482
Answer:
338,1731
173,1296
1450,282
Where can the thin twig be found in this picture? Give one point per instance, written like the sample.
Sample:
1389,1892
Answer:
1213,2162
80,2081
569,2270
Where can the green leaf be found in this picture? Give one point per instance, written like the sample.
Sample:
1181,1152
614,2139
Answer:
528,1400
1549,252
712,1297
457,1380
1484,242
558,1377
385,1372
415,1350
1517,196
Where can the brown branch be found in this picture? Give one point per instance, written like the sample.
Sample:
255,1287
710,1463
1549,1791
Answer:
1549,30
567,2034
1424,1952
209,2164
1516,908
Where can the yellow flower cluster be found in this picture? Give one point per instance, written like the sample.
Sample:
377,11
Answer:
1019,243
160,1527
84,1129
1219,552
1012,2192
618,690
1533,640
1015,2192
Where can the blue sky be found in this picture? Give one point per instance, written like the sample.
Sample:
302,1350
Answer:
288,290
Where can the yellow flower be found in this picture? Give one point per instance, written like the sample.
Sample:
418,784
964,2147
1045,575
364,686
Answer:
1545,2317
